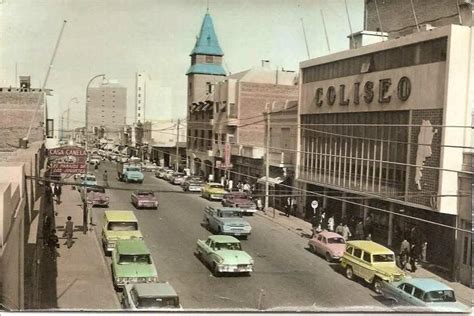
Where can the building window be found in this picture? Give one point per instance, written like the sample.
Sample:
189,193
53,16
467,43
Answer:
139,95
139,101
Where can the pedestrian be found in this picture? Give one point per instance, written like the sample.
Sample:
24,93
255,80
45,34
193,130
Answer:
346,233
69,231
293,205
368,226
359,230
259,204
105,177
323,223
413,256
246,188
53,244
288,207
339,229
331,223
58,194
424,247
96,166
369,237
404,253
230,185
315,223
240,186
223,180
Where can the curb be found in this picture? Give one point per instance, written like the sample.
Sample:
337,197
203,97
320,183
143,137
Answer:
294,230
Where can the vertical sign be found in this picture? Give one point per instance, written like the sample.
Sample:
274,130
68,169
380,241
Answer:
227,155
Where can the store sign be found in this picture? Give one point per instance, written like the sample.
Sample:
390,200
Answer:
363,92
68,159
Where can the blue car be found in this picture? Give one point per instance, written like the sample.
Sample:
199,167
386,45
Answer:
89,180
423,293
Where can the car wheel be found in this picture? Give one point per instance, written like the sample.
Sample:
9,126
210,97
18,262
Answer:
377,285
312,249
215,270
328,257
245,237
349,273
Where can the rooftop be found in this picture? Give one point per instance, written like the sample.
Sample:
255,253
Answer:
266,75
370,246
207,69
428,284
207,43
223,238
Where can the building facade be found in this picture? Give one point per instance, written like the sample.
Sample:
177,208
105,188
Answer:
206,68
140,97
107,108
377,140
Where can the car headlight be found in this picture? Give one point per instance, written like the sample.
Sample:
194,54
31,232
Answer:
120,280
219,260
152,279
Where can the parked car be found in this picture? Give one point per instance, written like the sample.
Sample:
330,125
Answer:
241,200
213,191
149,167
425,293
97,196
132,263
119,225
161,172
226,221
95,160
88,180
144,199
372,262
177,178
150,296
168,174
328,244
192,184
224,254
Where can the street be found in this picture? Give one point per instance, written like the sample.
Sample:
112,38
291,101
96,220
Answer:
286,274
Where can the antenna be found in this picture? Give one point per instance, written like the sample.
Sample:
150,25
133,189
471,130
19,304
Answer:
378,17
207,8
414,14
305,39
325,31
349,20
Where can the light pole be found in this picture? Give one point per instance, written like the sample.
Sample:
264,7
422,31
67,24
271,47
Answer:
84,197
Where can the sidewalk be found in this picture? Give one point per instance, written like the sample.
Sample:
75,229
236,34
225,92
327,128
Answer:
297,225
83,280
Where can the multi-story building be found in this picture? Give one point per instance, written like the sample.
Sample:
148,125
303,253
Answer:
107,108
238,105
206,68
165,137
381,137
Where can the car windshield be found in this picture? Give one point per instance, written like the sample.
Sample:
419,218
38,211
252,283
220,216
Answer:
133,169
216,186
439,296
123,226
146,194
336,240
179,174
227,246
127,259
158,302
90,178
98,190
231,214
383,258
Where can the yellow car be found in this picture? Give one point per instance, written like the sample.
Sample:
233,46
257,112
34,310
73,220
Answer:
119,225
371,262
213,191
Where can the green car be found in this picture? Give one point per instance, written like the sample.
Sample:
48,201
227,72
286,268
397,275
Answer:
132,263
118,225
224,254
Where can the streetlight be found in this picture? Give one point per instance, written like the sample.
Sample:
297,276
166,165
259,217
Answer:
75,100
84,214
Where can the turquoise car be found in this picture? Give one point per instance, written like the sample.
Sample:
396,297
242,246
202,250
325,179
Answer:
132,263
224,254
425,294
89,180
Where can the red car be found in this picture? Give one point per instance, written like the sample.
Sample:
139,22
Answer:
240,200
97,196
328,244
144,199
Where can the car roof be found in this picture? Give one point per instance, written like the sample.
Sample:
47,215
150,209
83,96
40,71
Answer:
329,234
162,289
370,246
223,238
127,216
134,246
427,284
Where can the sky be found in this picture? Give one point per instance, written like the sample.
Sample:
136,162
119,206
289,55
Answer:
121,37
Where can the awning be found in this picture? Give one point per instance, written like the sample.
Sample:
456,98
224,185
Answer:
271,181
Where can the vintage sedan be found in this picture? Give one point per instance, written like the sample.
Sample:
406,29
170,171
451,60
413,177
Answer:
328,244
97,197
192,184
150,296
213,191
425,293
88,181
224,254
144,199
177,178
240,200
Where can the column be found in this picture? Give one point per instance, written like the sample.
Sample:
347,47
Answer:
344,206
390,225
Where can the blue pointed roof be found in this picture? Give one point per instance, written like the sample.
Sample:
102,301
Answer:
207,43
207,69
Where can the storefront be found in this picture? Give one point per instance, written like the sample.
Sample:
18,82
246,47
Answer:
377,141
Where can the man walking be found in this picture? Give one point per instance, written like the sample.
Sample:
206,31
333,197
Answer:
288,207
69,231
105,178
346,233
404,253
58,194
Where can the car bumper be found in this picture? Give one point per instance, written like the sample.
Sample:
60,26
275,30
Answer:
100,203
147,205
195,189
216,196
235,268
135,180
236,233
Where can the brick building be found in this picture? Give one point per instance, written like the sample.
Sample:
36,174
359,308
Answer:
397,18
377,138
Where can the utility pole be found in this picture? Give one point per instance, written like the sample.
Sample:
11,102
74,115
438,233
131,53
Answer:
177,147
267,158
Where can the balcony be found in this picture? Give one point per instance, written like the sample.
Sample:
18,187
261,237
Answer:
232,122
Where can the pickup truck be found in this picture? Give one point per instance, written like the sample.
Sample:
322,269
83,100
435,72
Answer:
226,221
128,172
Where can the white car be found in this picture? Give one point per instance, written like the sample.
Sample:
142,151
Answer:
150,296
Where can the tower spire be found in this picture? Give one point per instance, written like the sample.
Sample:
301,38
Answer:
207,8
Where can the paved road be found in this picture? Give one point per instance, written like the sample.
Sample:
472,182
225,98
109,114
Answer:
286,275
